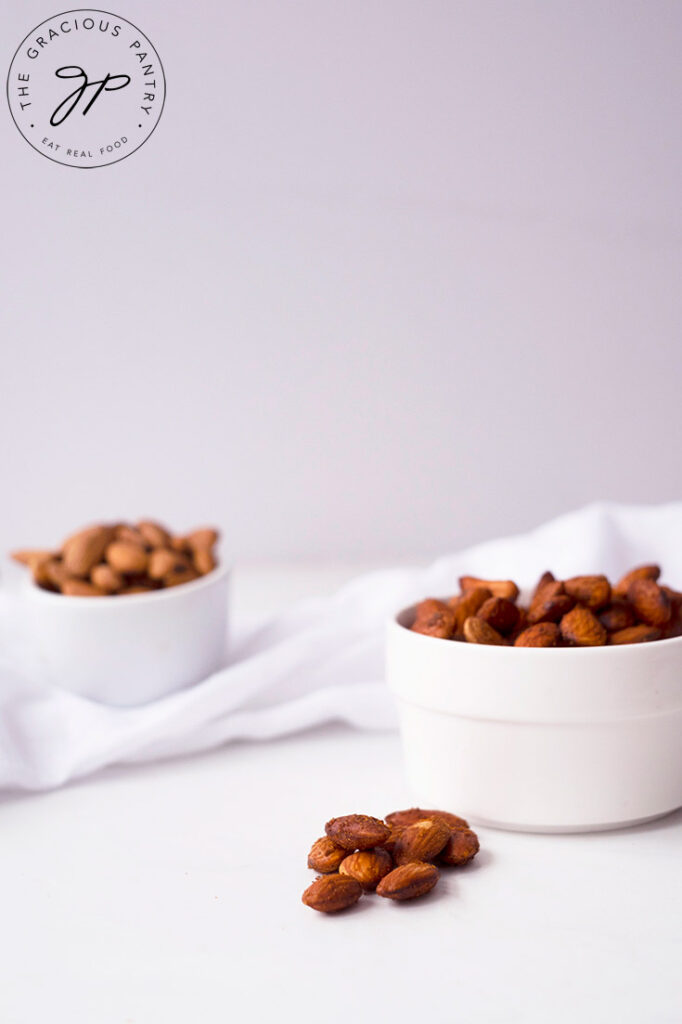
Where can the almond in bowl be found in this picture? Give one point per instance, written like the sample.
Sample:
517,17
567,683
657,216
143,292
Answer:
583,611
121,559
557,713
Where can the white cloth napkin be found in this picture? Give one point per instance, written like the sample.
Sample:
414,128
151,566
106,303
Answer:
321,661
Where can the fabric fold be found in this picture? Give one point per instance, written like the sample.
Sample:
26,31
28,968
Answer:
320,661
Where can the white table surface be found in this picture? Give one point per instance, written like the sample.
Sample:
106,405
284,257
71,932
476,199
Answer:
171,893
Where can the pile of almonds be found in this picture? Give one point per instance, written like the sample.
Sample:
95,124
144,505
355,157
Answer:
584,611
394,857
121,558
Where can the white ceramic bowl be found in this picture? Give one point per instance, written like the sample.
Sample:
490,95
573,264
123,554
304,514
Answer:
131,649
540,740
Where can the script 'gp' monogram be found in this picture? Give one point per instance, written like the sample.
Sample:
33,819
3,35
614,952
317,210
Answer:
73,71
86,88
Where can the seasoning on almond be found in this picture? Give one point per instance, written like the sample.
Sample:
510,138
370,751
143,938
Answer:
396,857
582,611
121,558
357,831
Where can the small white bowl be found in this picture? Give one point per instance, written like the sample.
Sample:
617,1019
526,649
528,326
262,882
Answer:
539,740
130,649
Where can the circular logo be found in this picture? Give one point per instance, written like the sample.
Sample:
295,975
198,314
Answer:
86,88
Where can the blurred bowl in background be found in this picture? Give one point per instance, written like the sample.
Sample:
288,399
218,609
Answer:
539,739
132,649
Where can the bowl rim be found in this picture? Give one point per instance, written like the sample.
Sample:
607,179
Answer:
220,572
499,651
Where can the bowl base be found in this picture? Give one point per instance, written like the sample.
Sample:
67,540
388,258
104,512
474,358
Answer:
567,829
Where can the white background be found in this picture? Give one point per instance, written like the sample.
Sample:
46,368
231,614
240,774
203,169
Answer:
171,894
388,278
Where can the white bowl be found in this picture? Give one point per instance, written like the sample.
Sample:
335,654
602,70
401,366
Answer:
539,740
130,649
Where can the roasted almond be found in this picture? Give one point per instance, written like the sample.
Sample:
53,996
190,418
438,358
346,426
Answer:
130,534
461,847
434,618
367,867
498,588
39,565
651,603
423,840
26,555
641,634
550,603
163,560
204,561
408,881
467,604
81,588
332,893
521,624
542,634
675,598
547,577
106,578
501,614
154,534
325,856
642,572
179,575
674,628
477,631
84,550
581,628
204,538
357,831
126,557
592,591
617,615
393,837
57,572
412,814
